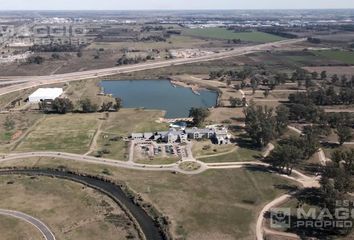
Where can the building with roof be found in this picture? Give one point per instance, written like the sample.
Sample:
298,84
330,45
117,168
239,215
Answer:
42,94
218,135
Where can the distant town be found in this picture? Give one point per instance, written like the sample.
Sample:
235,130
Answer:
161,125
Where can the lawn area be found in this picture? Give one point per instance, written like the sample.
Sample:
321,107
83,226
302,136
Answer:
217,204
24,230
204,148
114,149
13,126
68,133
126,121
71,210
240,155
222,33
158,160
343,56
175,41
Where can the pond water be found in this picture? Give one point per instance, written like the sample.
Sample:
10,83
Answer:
159,94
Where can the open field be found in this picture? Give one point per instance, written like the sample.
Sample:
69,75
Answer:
70,210
172,43
218,204
221,33
349,71
343,56
24,230
80,90
204,148
67,133
239,155
13,126
126,121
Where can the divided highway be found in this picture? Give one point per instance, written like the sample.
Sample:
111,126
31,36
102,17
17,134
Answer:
26,82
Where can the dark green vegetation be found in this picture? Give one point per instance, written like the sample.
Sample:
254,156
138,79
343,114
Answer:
199,115
222,33
291,151
262,125
65,105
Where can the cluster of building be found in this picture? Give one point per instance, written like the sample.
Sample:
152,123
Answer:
217,134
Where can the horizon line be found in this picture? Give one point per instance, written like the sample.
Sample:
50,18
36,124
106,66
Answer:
206,9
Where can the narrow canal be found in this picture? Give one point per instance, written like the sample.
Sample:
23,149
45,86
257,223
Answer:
146,223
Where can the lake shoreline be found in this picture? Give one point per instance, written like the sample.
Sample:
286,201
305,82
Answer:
175,97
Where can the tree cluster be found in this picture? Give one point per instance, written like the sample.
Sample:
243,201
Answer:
324,96
124,60
199,115
263,124
55,48
290,152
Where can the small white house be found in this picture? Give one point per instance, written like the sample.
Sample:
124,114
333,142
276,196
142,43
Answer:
45,94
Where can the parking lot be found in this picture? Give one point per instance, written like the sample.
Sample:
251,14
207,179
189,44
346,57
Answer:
151,150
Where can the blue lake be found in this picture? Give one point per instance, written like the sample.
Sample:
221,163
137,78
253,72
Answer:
159,94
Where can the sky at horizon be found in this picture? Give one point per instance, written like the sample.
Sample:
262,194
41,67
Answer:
170,4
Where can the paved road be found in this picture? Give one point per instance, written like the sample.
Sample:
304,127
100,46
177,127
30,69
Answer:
103,161
304,180
45,231
34,81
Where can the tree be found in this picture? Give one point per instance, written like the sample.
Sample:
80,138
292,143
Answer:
266,93
118,104
235,102
260,124
87,106
62,105
199,115
335,78
9,123
323,75
344,134
310,141
344,80
285,157
282,118
314,75
106,106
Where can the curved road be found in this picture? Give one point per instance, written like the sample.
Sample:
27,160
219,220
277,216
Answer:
26,82
45,231
305,181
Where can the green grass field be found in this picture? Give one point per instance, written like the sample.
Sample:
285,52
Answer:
68,133
343,56
240,155
221,33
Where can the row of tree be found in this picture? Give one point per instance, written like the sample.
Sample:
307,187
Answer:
324,96
65,105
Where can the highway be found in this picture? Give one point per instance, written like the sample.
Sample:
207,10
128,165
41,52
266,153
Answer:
25,82
45,231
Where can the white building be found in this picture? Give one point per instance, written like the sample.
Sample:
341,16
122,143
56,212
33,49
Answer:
45,94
